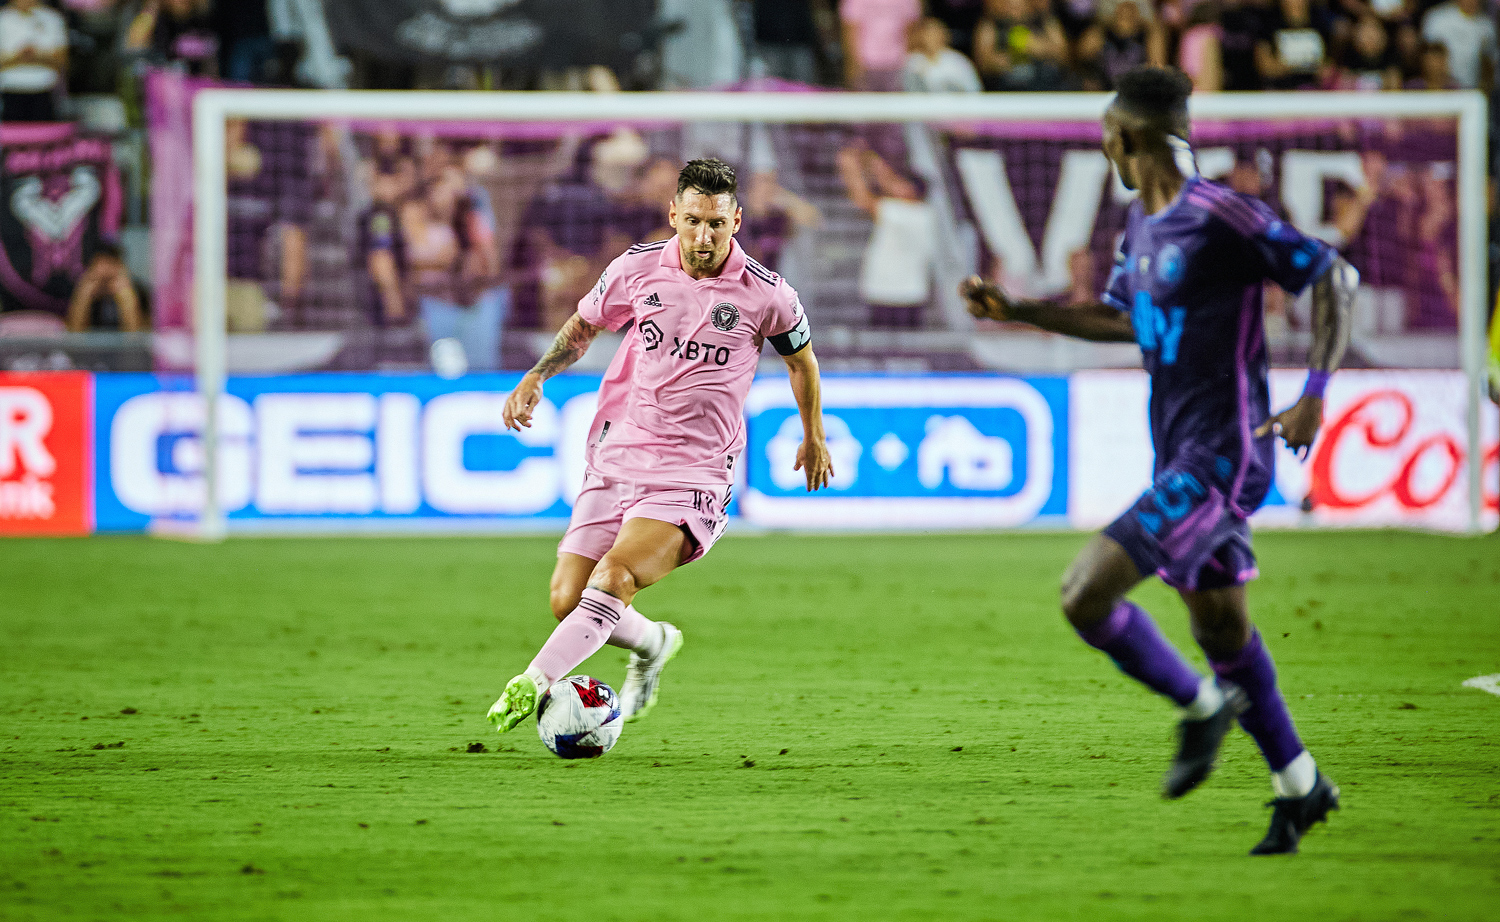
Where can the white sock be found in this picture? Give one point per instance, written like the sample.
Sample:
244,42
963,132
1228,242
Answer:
1210,699
1297,779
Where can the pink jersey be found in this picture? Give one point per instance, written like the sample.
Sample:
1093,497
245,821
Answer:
672,405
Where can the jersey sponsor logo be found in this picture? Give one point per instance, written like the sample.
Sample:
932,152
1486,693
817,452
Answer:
651,335
599,288
1156,328
694,351
652,301
725,316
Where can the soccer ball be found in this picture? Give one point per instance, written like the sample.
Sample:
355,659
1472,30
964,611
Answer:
579,718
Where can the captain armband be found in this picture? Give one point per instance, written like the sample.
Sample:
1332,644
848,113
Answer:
794,340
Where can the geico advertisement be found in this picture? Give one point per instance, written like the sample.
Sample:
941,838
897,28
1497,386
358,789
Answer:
45,456
375,451
931,452
1392,451
366,448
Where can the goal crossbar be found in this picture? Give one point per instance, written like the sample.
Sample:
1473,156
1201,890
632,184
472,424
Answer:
211,109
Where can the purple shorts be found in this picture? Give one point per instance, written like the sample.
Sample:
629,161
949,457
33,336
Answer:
1183,530
604,504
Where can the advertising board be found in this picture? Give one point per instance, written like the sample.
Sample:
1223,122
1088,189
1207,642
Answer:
46,454
1391,452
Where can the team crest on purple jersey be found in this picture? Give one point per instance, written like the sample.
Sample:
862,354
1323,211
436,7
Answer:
725,316
1169,264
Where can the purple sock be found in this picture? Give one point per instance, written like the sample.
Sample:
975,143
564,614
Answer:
1267,721
1132,640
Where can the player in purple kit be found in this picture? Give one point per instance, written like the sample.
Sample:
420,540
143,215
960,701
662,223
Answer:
669,428
1187,287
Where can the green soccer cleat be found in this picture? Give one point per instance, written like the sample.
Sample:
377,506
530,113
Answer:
517,702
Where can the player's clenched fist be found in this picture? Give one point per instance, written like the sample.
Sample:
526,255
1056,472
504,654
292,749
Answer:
814,461
521,402
985,301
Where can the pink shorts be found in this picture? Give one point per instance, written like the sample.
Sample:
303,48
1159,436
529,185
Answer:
605,504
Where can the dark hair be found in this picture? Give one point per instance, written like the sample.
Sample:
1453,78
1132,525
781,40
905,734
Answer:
1155,92
709,177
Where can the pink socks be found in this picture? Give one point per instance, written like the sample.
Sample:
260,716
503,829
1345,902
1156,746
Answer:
581,634
600,618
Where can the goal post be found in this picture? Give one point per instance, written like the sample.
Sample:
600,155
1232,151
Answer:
213,108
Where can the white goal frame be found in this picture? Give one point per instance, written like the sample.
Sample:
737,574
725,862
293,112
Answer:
211,109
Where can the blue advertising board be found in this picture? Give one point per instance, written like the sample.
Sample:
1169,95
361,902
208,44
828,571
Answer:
391,452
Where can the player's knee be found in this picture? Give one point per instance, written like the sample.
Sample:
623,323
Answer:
1082,603
1221,630
615,578
563,601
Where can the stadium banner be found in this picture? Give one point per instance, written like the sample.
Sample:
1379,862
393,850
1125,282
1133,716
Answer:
60,199
46,448
506,33
1391,453
940,452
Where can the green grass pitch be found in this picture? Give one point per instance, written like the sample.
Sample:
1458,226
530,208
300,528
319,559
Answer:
878,728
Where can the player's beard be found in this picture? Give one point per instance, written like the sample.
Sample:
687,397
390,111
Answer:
705,263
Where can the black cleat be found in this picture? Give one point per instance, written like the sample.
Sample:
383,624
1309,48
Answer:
1198,744
1294,816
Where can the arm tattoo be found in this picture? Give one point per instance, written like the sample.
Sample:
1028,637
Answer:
1332,306
572,342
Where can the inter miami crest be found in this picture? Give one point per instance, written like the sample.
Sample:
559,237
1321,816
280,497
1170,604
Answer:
725,316
651,335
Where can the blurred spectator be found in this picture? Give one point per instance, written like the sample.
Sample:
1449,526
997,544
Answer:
381,249
449,248
960,16
932,66
1020,46
245,42
104,297
1469,35
1292,53
175,33
1370,63
1242,24
786,39
706,51
1200,52
1432,70
895,277
773,215
875,41
33,60
271,198
1123,37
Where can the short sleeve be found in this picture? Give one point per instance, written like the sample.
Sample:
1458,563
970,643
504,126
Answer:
608,303
1280,252
1117,290
789,321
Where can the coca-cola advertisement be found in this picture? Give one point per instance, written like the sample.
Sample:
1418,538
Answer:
1393,452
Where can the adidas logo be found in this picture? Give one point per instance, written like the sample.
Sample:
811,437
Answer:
652,300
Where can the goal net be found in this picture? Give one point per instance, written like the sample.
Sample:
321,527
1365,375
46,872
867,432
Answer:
413,232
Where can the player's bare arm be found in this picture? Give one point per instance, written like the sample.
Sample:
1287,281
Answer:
1332,307
812,455
572,341
1092,320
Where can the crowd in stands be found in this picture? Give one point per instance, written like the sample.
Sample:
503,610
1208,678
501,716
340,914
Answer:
59,59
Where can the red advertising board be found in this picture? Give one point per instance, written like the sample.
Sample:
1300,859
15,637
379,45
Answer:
46,454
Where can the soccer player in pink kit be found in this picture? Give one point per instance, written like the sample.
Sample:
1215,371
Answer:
669,430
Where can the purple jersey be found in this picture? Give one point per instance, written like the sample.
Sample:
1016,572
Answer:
1191,278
